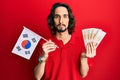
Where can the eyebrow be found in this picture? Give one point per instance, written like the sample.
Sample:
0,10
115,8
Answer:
59,15
56,14
65,14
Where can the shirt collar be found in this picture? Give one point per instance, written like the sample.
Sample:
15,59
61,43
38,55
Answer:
60,43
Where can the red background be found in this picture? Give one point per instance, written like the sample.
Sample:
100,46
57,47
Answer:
14,14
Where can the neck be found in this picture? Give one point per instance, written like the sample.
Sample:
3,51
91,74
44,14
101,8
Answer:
64,36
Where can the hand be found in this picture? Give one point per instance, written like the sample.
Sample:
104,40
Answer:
47,47
90,50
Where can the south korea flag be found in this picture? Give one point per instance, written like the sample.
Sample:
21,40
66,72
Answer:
26,43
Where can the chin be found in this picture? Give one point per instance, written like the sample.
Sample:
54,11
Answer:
61,30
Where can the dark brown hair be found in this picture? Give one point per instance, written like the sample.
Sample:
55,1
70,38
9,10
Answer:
51,24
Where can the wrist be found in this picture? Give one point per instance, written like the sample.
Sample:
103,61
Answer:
83,59
45,55
83,55
42,58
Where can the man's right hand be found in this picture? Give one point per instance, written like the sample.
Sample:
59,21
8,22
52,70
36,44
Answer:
47,47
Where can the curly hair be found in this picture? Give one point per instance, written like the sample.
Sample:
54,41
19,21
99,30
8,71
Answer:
50,19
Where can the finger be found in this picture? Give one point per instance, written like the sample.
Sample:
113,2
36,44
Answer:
90,50
87,50
48,47
51,46
93,49
50,50
49,42
88,53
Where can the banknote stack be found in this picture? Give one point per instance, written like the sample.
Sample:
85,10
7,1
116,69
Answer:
93,35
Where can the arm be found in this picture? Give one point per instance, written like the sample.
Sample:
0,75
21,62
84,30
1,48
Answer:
89,53
39,70
84,67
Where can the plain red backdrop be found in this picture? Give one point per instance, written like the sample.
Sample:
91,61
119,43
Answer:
14,14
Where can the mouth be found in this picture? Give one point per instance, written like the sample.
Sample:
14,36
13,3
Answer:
61,28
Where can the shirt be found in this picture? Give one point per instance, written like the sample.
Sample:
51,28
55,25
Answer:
64,62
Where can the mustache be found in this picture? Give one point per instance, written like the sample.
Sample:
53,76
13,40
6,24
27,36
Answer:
61,24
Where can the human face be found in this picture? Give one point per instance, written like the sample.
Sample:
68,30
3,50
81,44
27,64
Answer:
61,19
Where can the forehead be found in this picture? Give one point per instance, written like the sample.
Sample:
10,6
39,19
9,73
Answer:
61,10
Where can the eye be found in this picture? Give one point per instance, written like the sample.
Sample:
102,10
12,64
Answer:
65,15
56,16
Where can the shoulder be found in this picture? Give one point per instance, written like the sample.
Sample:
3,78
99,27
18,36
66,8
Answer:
77,38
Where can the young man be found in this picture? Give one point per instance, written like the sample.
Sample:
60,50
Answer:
63,56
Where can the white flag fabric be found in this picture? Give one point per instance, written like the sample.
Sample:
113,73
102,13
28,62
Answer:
93,35
26,43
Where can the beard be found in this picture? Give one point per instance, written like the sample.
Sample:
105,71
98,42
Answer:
60,30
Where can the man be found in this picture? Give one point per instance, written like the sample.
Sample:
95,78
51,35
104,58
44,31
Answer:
63,56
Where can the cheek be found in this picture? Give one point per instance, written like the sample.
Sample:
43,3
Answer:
56,22
67,22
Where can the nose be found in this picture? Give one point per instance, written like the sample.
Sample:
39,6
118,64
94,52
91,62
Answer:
60,20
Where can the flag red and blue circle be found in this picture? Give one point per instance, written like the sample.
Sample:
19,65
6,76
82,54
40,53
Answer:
26,44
